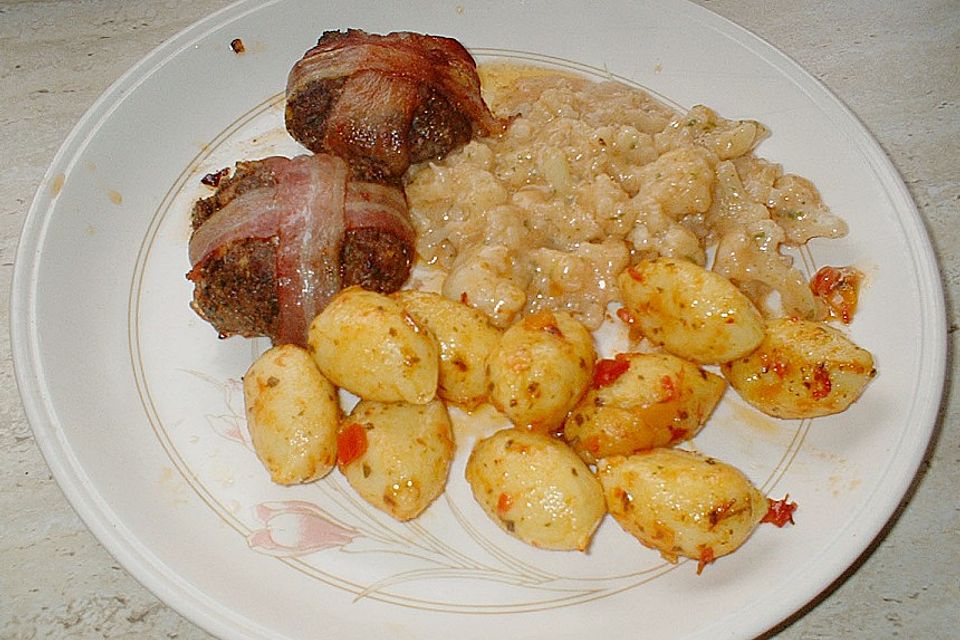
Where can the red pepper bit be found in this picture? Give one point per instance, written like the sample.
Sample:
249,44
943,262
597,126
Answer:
351,443
636,275
825,280
779,368
839,288
669,388
821,386
504,502
553,329
592,444
608,370
633,328
780,512
706,557
677,434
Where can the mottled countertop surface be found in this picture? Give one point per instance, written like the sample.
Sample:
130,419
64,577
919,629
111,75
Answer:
895,64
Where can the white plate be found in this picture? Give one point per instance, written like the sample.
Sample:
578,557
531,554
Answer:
137,407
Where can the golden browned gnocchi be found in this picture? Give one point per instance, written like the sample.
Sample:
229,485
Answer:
802,369
292,415
641,401
536,488
366,343
466,338
681,503
540,368
691,312
396,455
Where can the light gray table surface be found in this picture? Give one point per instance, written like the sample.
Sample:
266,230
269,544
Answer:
895,64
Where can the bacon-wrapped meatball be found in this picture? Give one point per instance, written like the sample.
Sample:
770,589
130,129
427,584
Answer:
382,102
281,236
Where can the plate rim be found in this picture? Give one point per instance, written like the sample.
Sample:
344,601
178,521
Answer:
157,577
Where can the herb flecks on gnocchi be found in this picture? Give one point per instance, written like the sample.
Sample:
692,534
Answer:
396,455
689,311
681,503
292,415
466,338
641,401
801,369
366,343
536,488
540,369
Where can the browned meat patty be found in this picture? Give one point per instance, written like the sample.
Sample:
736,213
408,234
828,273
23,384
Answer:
236,286
385,102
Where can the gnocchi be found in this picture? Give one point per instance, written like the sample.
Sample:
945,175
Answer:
466,338
540,368
292,415
367,344
691,312
681,503
641,401
802,369
396,456
536,488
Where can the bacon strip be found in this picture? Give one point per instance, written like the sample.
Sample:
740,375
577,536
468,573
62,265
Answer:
365,121
305,209
310,232
460,81
372,205
338,57
255,215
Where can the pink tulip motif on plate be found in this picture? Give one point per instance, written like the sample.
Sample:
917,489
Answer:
295,528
